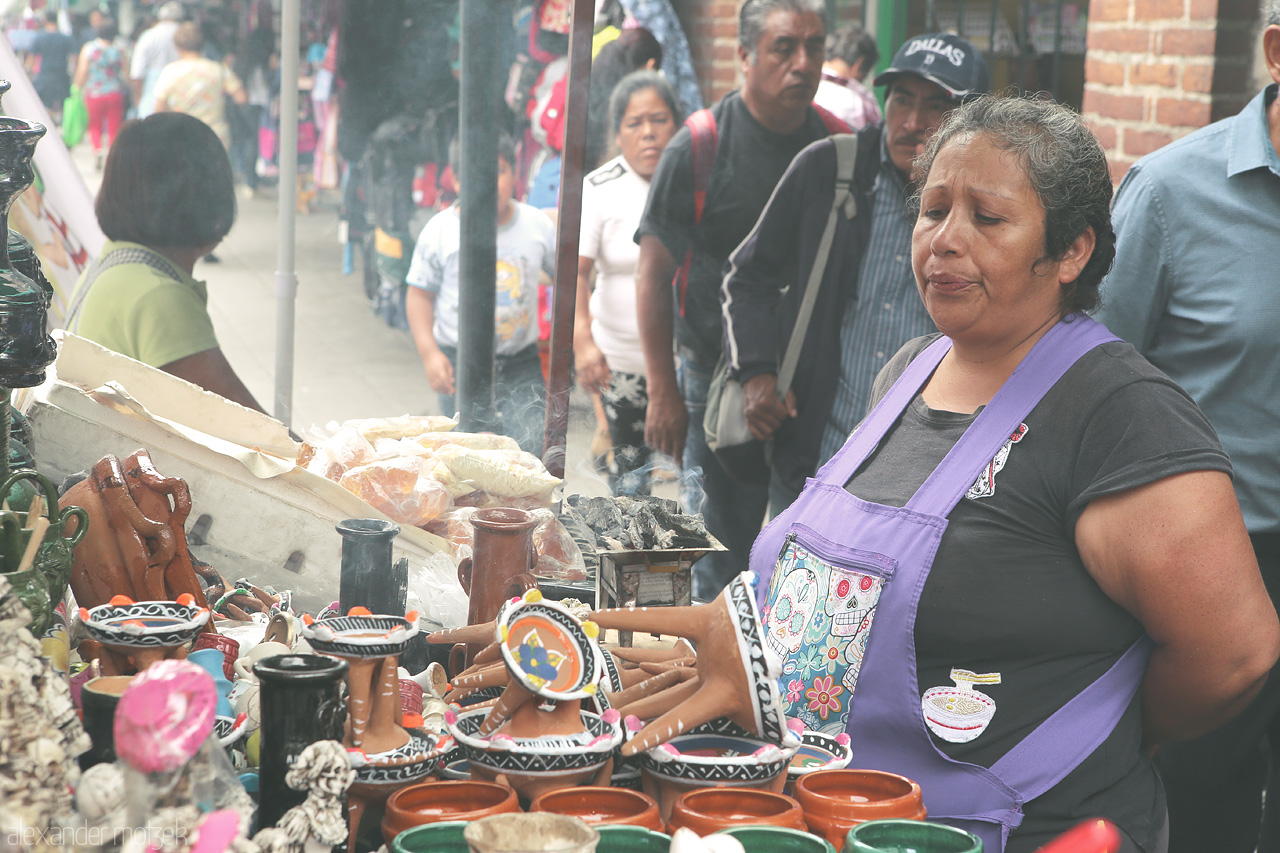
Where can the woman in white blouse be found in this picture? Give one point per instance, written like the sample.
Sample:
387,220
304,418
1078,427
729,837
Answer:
606,342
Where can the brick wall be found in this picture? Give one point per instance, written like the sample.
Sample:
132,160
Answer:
712,29
1159,69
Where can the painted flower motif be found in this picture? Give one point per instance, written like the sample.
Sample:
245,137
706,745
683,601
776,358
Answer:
832,653
795,689
812,661
817,631
824,696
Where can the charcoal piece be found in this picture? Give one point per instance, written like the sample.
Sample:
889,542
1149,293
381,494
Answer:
688,531
642,528
664,504
605,518
615,544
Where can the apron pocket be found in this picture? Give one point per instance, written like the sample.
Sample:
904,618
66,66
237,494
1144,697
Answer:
818,616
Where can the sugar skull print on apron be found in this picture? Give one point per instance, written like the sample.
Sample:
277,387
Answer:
841,580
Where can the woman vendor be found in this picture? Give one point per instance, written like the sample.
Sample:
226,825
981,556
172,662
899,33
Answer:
167,198
1026,567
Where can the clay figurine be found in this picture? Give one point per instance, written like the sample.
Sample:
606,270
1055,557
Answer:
324,771
733,674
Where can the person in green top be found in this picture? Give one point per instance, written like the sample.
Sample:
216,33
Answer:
167,198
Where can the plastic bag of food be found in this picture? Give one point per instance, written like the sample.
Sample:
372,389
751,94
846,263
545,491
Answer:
510,473
432,467
402,427
333,456
470,440
399,489
559,557
455,527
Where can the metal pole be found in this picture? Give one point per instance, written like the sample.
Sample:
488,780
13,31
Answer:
286,274
568,227
478,250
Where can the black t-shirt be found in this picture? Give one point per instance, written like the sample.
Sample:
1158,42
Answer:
750,160
1008,593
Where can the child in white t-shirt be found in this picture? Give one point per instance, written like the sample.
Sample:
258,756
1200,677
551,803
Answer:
526,249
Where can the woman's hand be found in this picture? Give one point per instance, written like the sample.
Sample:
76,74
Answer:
593,370
439,372
1176,555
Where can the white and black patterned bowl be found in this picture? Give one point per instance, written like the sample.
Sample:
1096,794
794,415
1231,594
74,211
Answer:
762,665
146,624
549,650
413,761
718,753
544,756
360,636
819,751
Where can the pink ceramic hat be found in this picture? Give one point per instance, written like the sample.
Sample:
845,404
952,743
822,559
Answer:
164,716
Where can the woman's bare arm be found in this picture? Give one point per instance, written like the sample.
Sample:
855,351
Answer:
212,372
1175,554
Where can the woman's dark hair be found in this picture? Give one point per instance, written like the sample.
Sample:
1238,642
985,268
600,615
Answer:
188,36
167,184
107,30
1065,166
629,52
634,83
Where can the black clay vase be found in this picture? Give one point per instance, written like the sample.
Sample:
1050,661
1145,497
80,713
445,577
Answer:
368,576
302,702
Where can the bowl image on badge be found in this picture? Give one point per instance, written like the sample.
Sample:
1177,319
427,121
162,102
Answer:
959,713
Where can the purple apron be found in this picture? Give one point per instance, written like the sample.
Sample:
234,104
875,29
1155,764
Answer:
833,567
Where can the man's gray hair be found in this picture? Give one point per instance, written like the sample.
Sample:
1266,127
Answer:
1273,14
754,14
1065,166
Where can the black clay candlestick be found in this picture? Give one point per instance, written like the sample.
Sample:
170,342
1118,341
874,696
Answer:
301,701
368,577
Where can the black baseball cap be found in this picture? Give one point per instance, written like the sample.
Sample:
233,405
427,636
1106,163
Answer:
948,60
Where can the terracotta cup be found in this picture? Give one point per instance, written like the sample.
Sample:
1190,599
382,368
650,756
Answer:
435,802
632,839
229,646
890,836
835,801
601,806
778,839
443,837
707,810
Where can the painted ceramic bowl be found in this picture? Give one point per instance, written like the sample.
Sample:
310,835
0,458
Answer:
717,753
415,760
145,624
229,730
360,636
820,751
550,650
541,755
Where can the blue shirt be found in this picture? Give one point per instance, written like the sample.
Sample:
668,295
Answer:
884,314
1196,287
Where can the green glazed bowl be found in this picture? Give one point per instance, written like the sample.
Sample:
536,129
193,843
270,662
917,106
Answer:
631,839
909,836
778,839
445,837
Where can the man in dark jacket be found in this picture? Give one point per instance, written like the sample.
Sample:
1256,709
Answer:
759,130
868,306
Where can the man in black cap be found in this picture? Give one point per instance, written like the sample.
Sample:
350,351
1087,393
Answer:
868,305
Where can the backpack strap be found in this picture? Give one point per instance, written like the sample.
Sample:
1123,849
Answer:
846,145
702,128
116,257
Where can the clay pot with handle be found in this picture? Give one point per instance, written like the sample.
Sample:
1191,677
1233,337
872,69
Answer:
499,569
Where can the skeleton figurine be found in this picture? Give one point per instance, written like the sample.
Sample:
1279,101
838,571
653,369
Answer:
324,771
